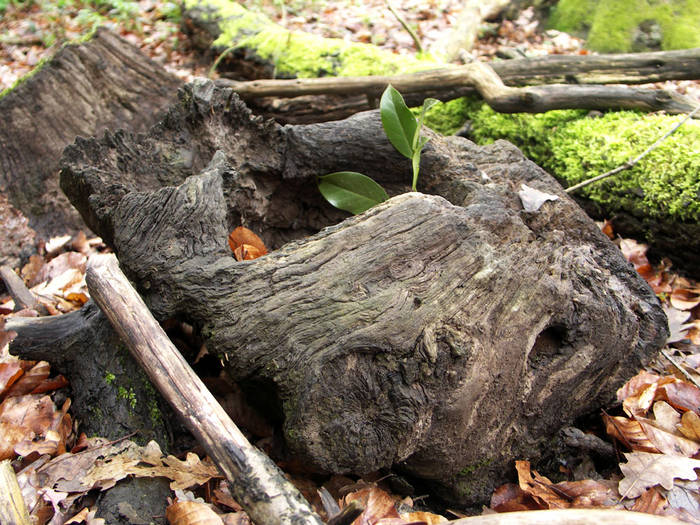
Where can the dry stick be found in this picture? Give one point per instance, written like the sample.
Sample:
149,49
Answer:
680,368
22,296
405,25
12,507
257,484
634,161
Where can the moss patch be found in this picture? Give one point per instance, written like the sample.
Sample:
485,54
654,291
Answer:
630,25
664,184
299,54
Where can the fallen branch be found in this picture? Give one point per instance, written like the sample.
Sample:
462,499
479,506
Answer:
257,484
486,81
634,161
12,507
21,295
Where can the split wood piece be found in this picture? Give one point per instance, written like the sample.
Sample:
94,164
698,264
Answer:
485,80
258,485
569,517
21,295
12,508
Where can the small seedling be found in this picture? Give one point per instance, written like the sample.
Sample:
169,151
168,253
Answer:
355,192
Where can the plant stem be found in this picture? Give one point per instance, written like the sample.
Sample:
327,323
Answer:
405,25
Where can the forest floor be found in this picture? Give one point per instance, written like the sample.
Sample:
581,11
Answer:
658,411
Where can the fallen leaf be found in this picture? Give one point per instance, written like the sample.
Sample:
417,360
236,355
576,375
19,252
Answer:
644,470
666,417
666,442
636,384
651,502
539,487
510,498
677,325
681,395
690,425
376,502
191,513
685,299
628,432
245,244
533,199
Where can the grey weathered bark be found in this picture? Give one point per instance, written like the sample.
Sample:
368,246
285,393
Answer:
87,88
444,336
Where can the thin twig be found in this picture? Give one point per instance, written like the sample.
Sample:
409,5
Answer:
680,368
405,25
634,161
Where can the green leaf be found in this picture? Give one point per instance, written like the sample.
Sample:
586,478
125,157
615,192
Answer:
351,191
399,123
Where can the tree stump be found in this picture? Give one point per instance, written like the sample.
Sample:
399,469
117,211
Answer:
85,89
443,334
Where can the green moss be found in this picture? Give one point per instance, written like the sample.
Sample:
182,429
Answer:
128,394
109,378
301,54
613,25
448,117
666,183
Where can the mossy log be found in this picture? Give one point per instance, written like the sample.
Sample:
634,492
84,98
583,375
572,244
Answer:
85,89
444,335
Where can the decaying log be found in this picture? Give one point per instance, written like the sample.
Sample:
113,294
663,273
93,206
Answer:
105,381
442,334
487,82
256,482
85,89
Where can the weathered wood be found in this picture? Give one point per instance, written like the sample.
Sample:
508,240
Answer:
485,80
21,295
442,336
87,88
257,484
13,510
569,517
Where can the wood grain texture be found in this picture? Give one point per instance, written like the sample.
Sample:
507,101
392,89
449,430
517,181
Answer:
257,484
13,510
444,334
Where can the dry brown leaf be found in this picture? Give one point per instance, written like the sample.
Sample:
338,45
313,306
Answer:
666,442
644,470
191,513
10,435
376,502
651,501
245,244
636,384
539,487
9,373
423,517
31,379
681,395
666,417
685,298
628,432
690,425
588,493
34,412
510,498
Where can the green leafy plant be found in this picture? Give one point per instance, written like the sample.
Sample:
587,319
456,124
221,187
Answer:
355,192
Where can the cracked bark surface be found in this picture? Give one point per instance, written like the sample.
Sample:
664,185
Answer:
444,333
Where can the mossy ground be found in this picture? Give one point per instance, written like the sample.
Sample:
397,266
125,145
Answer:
615,25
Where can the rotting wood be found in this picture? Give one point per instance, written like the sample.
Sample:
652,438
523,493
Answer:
13,510
257,483
394,338
502,98
21,295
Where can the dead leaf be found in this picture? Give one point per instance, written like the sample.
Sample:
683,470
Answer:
668,443
650,502
644,470
666,417
635,385
533,199
376,502
245,245
510,498
685,299
677,324
681,395
191,513
690,425
539,487
628,432
428,518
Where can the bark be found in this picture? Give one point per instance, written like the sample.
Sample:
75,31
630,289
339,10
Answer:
486,81
257,483
443,335
84,90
